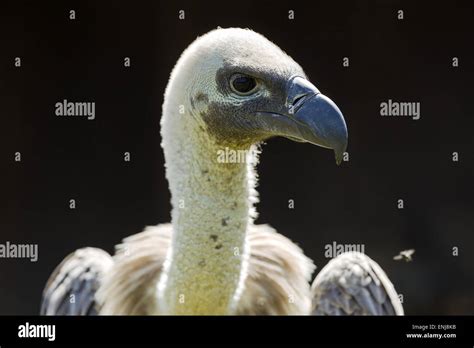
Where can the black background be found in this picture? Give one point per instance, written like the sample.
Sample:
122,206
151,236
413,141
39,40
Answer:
390,158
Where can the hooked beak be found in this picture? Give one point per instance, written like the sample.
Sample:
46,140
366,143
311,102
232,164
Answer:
308,116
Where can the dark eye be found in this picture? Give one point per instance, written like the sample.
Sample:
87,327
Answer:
243,84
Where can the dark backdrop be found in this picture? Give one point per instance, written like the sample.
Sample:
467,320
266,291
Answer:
390,158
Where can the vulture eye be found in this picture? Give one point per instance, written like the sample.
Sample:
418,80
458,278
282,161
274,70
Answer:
243,84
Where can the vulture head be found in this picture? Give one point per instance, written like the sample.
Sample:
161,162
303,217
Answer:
242,89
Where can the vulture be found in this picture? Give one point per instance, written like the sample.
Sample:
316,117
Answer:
230,90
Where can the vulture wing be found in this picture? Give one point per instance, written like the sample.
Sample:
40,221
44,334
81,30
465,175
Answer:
71,288
354,284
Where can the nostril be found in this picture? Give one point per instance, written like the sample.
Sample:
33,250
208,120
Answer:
295,105
298,98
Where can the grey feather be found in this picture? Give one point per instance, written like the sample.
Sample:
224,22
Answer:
71,288
354,284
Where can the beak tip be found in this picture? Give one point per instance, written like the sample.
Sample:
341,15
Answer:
338,156
339,151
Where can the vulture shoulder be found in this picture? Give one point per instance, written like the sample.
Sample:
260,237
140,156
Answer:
277,279
130,287
354,284
278,276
